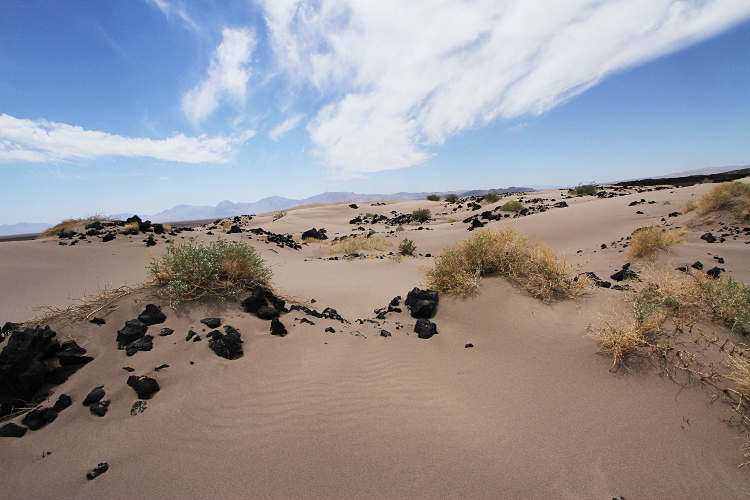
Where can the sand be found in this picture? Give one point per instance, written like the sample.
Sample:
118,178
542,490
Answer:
530,411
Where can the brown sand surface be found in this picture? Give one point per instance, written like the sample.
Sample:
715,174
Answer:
531,411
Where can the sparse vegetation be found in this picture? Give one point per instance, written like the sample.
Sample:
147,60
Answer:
689,206
512,206
451,198
646,241
421,214
733,197
279,215
584,189
407,247
531,265
491,197
70,224
357,244
131,227
433,197
400,228
190,270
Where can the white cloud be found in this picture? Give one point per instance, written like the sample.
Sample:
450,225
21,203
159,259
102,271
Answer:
400,76
226,78
38,141
179,10
282,128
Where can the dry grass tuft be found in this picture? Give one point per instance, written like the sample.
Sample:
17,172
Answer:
689,206
648,240
512,206
727,196
190,270
358,244
70,224
532,265
131,227
85,309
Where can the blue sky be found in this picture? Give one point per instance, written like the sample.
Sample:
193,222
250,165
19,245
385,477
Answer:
140,105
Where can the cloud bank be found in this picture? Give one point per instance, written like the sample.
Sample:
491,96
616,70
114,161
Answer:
401,76
38,141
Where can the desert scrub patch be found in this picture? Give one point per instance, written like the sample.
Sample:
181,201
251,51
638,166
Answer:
512,206
451,198
727,196
584,189
278,215
689,206
648,240
491,197
400,228
407,247
358,244
69,224
729,302
532,265
191,270
421,214
433,197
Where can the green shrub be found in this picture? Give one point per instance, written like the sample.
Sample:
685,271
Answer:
190,270
400,228
433,197
407,247
451,198
584,189
421,214
512,206
491,197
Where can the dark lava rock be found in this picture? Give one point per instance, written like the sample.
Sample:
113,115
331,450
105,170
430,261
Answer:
150,241
138,407
61,374
720,260
11,430
161,367
152,315
212,322
22,366
425,328
197,338
560,204
715,272
98,321
228,346
697,265
353,205
39,417
385,333
418,294
96,394
266,312
278,328
144,386
307,321
133,330
128,369
261,297
97,471
72,354
100,408
145,343
330,329
108,237
709,238
467,346
234,228
190,335
422,303
318,234
165,332
624,274
328,313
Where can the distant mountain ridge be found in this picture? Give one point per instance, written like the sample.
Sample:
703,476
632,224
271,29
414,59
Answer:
23,228
276,203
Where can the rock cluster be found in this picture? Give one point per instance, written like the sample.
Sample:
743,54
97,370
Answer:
422,303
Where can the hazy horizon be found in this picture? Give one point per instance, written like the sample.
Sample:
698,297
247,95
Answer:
139,106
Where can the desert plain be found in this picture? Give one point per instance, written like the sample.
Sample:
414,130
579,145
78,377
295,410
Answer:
513,398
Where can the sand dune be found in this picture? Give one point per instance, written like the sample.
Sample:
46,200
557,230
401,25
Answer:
530,411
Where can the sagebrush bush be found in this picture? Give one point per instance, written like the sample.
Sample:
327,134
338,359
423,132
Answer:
730,196
407,247
421,214
647,240
491,197
451,198
512,206
433,197
531,265
584,189
358,243
191,270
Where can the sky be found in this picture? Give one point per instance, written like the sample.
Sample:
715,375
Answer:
135,106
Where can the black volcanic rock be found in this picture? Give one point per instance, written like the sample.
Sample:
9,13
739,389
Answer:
145,343
152,315
39,417
133,330
97,471
624,274
228,346
266,312
425,328
72,354
22,366
318,234
98,321
709,238
144,386
60,374
165,332
259,298
422,303
100,408
211,322
715,272
278,328
96,394
12,430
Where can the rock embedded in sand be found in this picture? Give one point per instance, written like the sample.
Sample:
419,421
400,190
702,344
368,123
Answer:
145,343
278,328
98,321
132,331
422,303
152,315
12,430
317,234
100,408
266,312
96,394
144,386
97,471
165,332
39,417
625,274
72,354
425,328
260,298
228,346
211,322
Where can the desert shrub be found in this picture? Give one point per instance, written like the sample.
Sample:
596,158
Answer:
729,301
584,189
689,206
512,206
70,224
451,198
400,228
491,197
279,215
407,247
666,202
226,224
421,214
190,270
647,240
433,197
730,196
532,265
131,227
357,244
